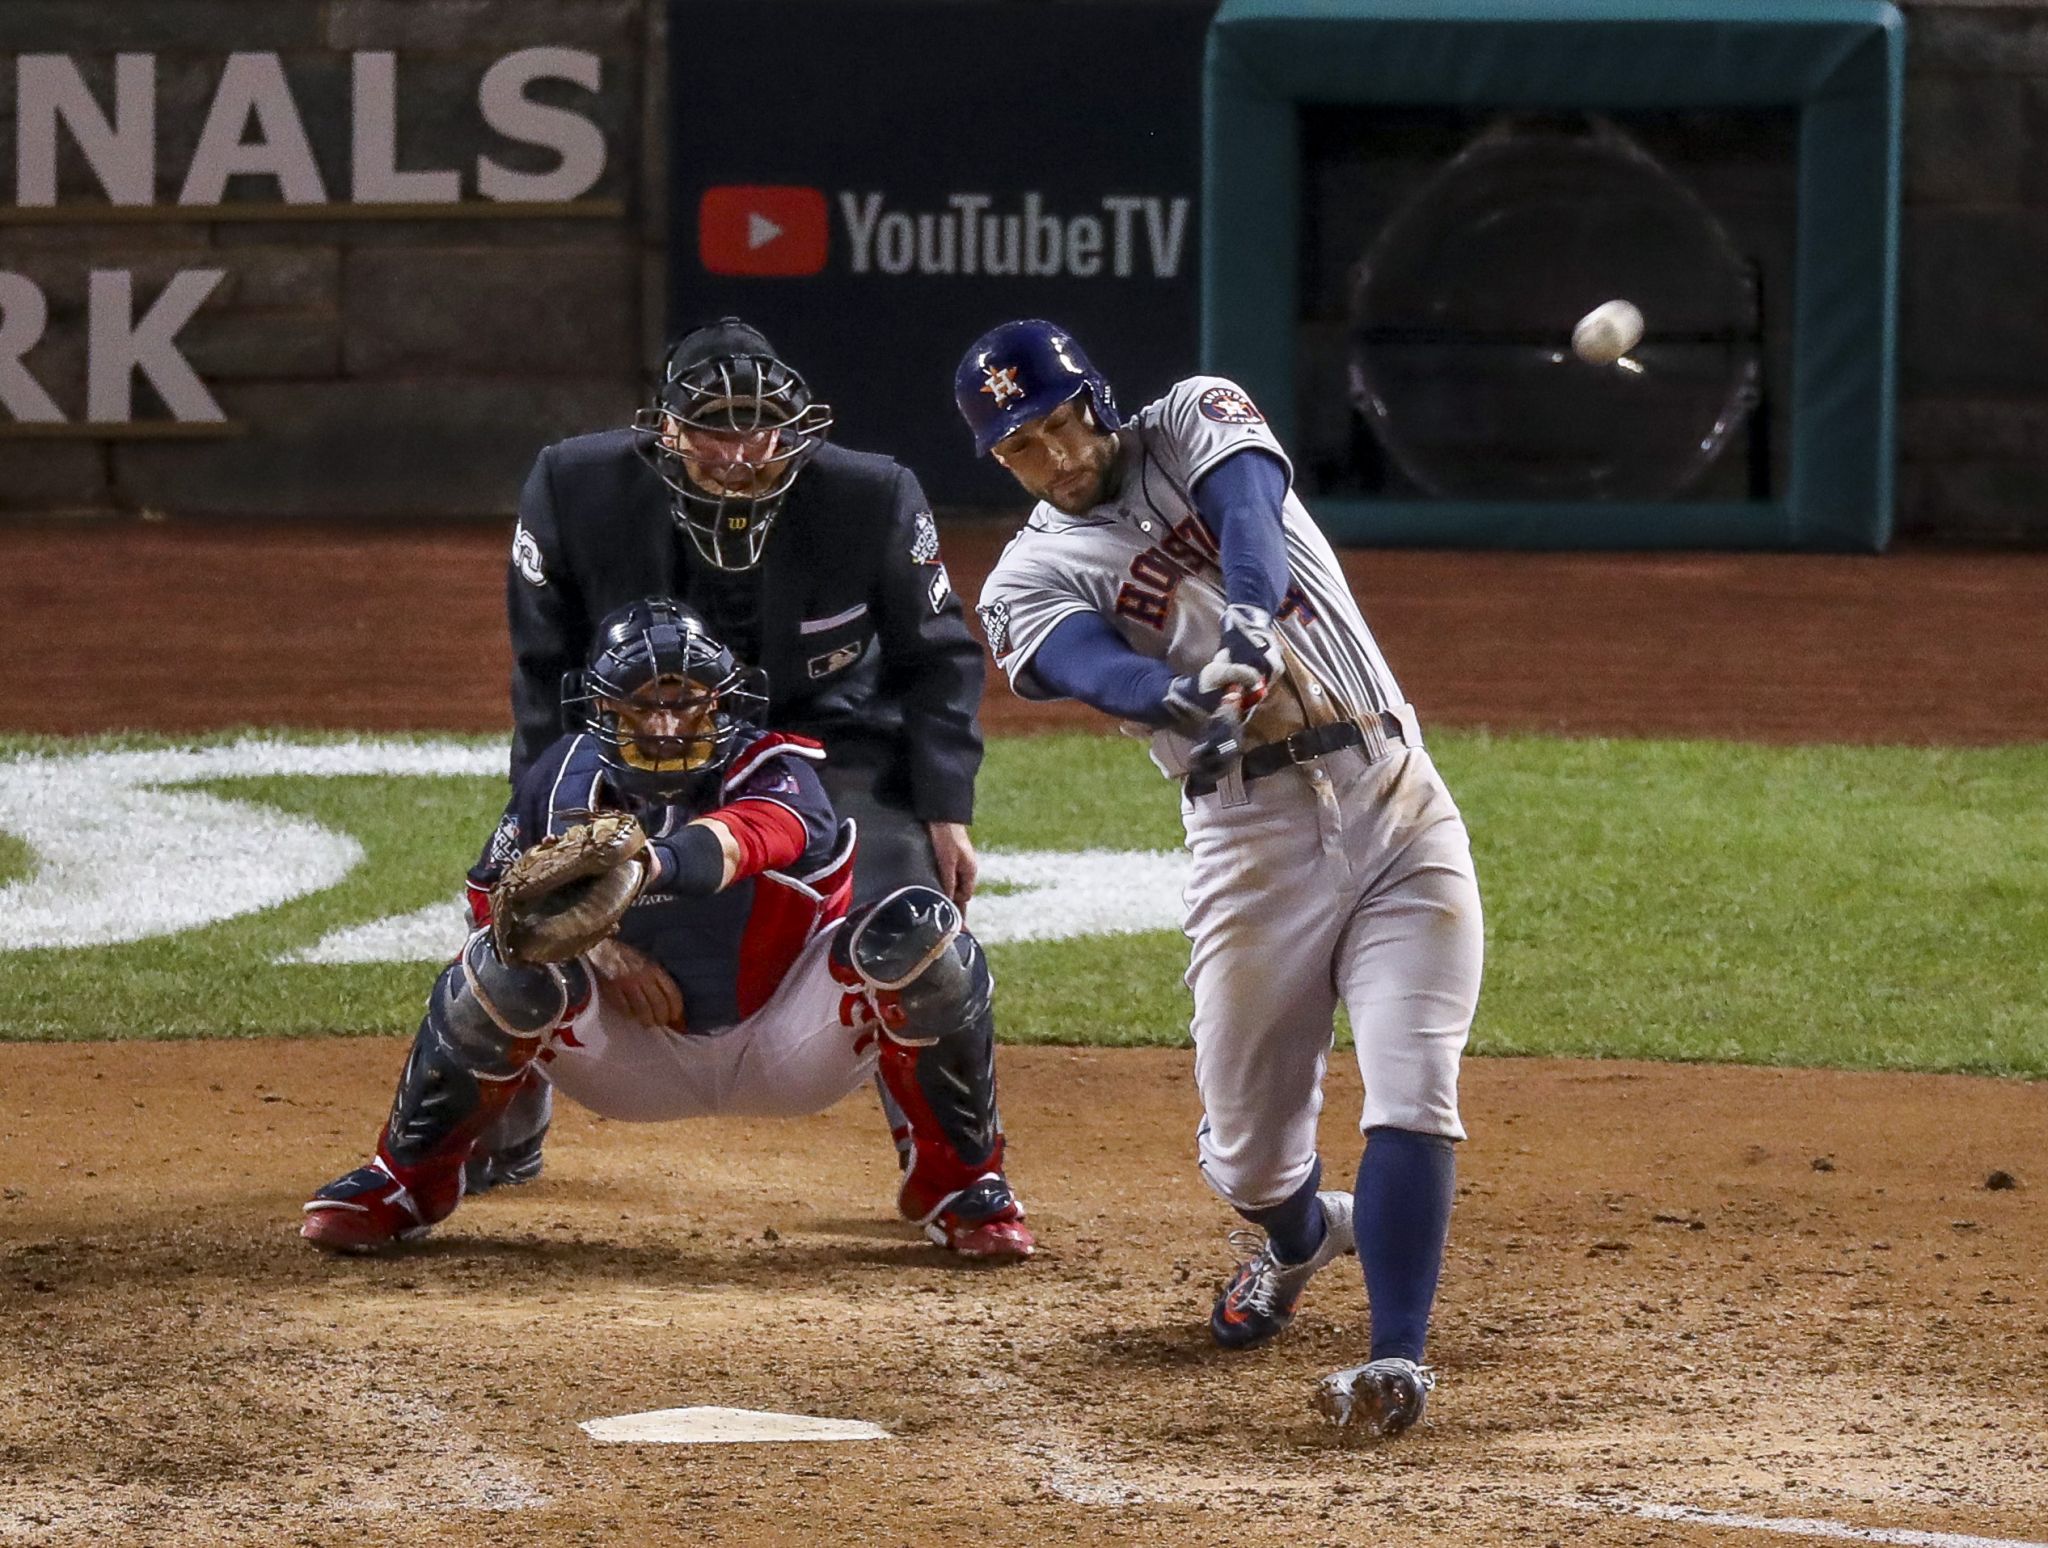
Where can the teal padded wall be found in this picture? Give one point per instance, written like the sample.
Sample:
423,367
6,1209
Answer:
1839,63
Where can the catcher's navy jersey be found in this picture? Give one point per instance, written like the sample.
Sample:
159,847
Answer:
727,952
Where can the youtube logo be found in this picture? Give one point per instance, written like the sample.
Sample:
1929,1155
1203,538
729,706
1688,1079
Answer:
763,229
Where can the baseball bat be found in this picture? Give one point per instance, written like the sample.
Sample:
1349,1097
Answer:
1221,743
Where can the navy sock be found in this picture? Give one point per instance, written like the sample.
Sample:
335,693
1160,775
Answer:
1405,1185
1295,1226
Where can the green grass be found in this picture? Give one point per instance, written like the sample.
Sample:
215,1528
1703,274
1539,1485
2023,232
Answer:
16,859
1880,908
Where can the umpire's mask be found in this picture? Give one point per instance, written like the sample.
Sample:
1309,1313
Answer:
730,428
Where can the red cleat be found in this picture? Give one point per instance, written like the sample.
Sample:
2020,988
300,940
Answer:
369,1210
984,1222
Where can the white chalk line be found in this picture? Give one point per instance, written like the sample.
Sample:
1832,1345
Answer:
185,859
191,859
1062,895
1799,1526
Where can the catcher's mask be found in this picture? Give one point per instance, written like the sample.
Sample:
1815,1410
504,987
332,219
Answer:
730,428
665,701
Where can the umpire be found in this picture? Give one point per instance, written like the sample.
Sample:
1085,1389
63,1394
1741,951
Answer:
818,564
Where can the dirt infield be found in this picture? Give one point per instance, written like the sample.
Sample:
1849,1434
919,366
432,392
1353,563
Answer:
1762,1293
1781,1294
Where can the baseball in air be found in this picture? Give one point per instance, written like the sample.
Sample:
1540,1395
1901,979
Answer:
1608,332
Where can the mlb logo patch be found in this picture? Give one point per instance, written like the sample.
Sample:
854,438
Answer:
835,660
1228,406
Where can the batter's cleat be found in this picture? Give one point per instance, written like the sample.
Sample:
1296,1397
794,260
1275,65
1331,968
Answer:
1381,1397
985,1222
1259,1300
369,1210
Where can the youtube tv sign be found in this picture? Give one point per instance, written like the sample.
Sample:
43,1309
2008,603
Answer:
874,183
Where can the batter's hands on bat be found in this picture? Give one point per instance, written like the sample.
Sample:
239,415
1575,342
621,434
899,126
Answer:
635,985
1250,639
959,866
1196,698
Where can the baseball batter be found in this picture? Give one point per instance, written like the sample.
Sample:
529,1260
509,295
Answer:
1170,577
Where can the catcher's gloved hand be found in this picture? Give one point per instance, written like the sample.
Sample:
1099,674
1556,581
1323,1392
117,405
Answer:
1249,639
567,893
1194,699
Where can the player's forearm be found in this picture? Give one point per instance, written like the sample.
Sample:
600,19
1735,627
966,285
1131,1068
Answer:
1084,658
543,619
536,713
693,863
1241,500
722,847
942,733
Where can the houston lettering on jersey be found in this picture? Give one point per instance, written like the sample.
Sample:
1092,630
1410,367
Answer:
1189,548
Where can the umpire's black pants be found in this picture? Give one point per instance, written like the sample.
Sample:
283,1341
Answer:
895,848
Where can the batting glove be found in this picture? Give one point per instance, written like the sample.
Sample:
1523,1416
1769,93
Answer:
1196,698
1250,639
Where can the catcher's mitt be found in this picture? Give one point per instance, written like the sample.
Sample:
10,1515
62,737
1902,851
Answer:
567,893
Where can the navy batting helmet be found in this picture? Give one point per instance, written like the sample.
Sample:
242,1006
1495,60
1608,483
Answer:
664,699
730,428
1023,371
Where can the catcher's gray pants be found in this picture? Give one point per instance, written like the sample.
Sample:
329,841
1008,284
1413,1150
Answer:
1346,878
811,1044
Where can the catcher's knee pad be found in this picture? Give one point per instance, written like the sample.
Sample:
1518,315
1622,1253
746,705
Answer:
491,1014
927,975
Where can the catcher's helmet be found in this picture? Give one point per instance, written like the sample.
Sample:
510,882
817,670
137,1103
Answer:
1022,371
730,428
664,699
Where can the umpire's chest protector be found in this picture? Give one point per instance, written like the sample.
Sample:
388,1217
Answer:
822,607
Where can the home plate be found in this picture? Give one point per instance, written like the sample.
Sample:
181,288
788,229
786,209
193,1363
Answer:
725,1427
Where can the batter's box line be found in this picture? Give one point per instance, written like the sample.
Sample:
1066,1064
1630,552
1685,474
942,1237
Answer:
1798,1526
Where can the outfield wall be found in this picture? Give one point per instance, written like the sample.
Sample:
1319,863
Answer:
395,345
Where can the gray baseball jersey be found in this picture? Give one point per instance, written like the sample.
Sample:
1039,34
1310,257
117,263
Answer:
1145,560
1347,876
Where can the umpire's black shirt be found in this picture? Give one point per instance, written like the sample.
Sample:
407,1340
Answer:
849,612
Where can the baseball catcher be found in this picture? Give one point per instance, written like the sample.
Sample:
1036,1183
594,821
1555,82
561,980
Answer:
662,931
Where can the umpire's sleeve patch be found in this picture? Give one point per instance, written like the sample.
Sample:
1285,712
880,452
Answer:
526,556
940,588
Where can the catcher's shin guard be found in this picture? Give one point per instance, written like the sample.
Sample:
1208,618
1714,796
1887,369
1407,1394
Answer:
484,1024
929,983
509,1153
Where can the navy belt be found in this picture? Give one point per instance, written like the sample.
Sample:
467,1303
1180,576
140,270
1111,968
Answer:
1303,747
